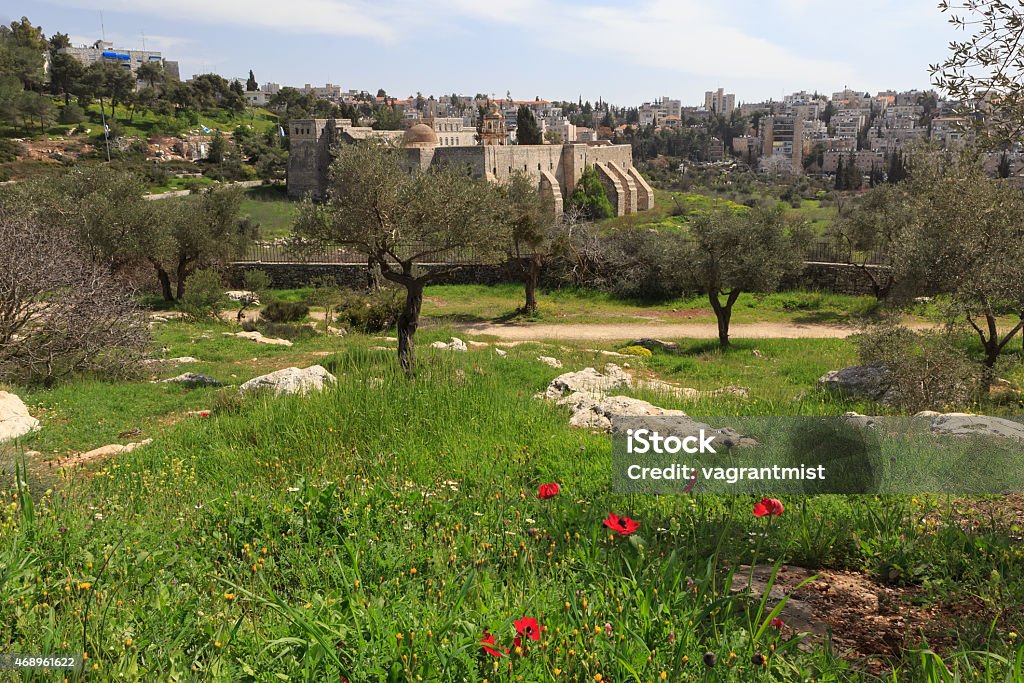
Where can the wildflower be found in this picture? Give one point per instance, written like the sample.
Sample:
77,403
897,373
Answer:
608,629
624,526
776,623
768,506
758,659
710,658
528,627
545,491
489,645
229,596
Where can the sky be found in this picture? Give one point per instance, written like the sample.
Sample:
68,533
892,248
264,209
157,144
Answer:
623,51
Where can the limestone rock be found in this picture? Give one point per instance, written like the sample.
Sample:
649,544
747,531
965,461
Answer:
336,331
183,360
588,380
15,420
453,344
656,345
501,352
689,393
548,360
243,295
104,452
964,424
591,411
291,381
859,382
194,379
260,339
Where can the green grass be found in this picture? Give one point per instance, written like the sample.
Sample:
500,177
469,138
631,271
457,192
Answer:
271,208
480,303
376,530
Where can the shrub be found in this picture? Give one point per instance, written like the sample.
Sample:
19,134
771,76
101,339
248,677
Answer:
923,370
203,294
370,313
9,150
71,113
289,331
60,313
284,312
637,351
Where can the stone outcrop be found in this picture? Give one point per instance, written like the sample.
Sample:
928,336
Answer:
259,338
588,380
548,360
193,379
857,383
453,344
656,345
291,381
103,452
15,420
964,424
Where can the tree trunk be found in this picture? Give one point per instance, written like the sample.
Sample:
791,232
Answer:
532,277
408,321
181,274
373,275
723,313
165,283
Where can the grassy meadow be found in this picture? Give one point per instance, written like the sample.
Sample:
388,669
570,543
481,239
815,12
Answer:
377,531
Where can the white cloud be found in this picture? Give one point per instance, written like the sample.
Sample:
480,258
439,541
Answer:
334,17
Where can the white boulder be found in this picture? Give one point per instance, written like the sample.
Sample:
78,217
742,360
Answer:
15,420
291,381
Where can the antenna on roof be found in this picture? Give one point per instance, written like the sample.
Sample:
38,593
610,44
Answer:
143,40
103,30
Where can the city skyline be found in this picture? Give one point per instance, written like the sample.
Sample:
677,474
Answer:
626,53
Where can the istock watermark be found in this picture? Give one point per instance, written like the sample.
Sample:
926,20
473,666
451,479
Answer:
814,455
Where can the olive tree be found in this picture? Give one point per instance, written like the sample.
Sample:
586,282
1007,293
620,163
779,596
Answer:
986,70
735,252
966,241
870,227
535,230
402,220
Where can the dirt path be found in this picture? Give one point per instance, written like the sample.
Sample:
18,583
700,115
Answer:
625,331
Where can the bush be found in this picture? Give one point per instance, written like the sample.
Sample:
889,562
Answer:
9,150
923,370
370,313
284,312
639,351
289,331
633,263
60,313
72,114
203,295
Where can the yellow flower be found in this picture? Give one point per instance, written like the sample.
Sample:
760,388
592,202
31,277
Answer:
663,676
216,643
229,596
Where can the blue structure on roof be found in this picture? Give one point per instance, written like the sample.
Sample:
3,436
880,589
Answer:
116,55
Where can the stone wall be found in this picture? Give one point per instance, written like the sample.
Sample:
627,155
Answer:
838,278
827,277
354,275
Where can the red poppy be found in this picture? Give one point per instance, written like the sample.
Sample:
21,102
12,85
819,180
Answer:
768,506
624,526
528,627
777,623
488,641
545,491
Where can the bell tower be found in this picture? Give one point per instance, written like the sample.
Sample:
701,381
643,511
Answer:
492,129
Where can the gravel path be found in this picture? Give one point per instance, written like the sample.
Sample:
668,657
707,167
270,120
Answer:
626,331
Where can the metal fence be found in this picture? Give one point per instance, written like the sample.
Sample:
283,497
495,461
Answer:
822,250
